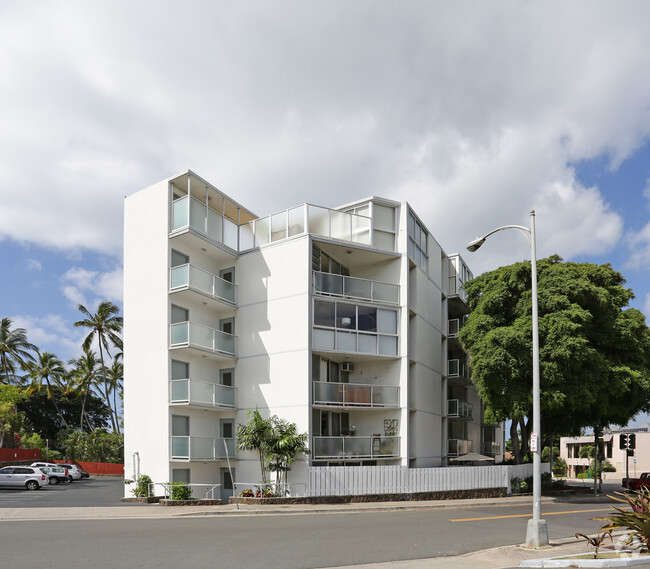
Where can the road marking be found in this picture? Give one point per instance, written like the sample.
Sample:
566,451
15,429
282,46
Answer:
528,515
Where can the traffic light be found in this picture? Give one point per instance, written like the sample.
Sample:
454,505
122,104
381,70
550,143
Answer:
627,441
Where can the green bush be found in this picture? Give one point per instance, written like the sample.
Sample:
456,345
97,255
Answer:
524,485
141,489
181,491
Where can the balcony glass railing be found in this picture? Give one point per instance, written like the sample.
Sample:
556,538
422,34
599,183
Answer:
458,408
456,447
490,448
356,288
201,448
190,212
189,276
355,447
201,393
188,334
355,394
305,219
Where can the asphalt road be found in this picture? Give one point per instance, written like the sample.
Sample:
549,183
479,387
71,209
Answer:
283,541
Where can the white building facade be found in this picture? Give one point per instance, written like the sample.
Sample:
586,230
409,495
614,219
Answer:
343,321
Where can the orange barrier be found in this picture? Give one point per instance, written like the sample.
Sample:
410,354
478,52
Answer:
10,454
99,467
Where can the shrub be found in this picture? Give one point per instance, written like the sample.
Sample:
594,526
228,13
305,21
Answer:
248,493
636,521
181,491
141,489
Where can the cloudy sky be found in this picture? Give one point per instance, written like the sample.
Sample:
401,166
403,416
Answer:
474,112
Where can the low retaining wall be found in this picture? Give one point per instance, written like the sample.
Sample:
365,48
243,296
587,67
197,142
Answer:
408,497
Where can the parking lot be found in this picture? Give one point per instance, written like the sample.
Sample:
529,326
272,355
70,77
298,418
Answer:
97,491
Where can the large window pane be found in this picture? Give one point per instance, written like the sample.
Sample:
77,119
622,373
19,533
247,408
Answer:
346,316
367,319
180,370
324,313
387,321
179,213
384,240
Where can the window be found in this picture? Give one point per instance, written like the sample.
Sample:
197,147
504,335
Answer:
180,370
227,377
180,426
417,246
179,259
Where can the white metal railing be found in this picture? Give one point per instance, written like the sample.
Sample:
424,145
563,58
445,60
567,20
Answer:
355,447
270,489
212,491
355,288
355,394
201,448
360,480
457,368
188,334
189,276
458,408
456,447
202,393
490,448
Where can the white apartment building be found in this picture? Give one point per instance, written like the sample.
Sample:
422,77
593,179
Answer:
343,321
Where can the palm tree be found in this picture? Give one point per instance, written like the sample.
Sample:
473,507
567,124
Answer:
105,325
286,444
85,372
13,348
45,370
115,376
257,435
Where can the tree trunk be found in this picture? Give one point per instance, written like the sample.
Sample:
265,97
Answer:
514,437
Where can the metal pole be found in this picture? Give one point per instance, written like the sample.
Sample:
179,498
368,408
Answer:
537,532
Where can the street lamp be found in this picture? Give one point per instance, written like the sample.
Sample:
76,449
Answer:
537,532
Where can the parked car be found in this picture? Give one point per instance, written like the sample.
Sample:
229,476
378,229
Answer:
637,483
74,472
41,464
56,474
27,476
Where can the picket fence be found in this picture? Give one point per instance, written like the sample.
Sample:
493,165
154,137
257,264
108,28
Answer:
357,480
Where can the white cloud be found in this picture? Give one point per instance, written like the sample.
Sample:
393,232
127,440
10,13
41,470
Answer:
33,265
639,244
82,286
472,112
51,333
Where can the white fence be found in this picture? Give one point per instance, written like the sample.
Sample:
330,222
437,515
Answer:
356,480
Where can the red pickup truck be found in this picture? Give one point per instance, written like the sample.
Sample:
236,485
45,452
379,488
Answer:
636,483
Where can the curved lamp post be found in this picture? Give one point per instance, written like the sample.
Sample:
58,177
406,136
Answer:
537,532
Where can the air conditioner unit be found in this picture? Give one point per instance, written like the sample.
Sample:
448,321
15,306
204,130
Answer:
347,366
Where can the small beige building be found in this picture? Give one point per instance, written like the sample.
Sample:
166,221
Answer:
609,446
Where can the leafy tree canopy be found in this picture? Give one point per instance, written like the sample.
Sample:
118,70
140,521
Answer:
594,353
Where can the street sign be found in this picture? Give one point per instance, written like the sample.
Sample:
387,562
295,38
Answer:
534,437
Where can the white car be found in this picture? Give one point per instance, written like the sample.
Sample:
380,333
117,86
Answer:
26,476
73,471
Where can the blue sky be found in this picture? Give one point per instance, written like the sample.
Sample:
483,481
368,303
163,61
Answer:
473,113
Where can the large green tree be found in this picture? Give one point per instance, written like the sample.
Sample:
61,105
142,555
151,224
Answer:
594,352
47,371
105,326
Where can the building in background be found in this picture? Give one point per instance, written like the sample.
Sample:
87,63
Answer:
343,321
610,448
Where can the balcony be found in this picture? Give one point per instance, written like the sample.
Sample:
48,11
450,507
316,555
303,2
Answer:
337,448
456,447
490,448
457,368
457,409
355,395
201,449
201,394
189,277
355,288
203,338
305,218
